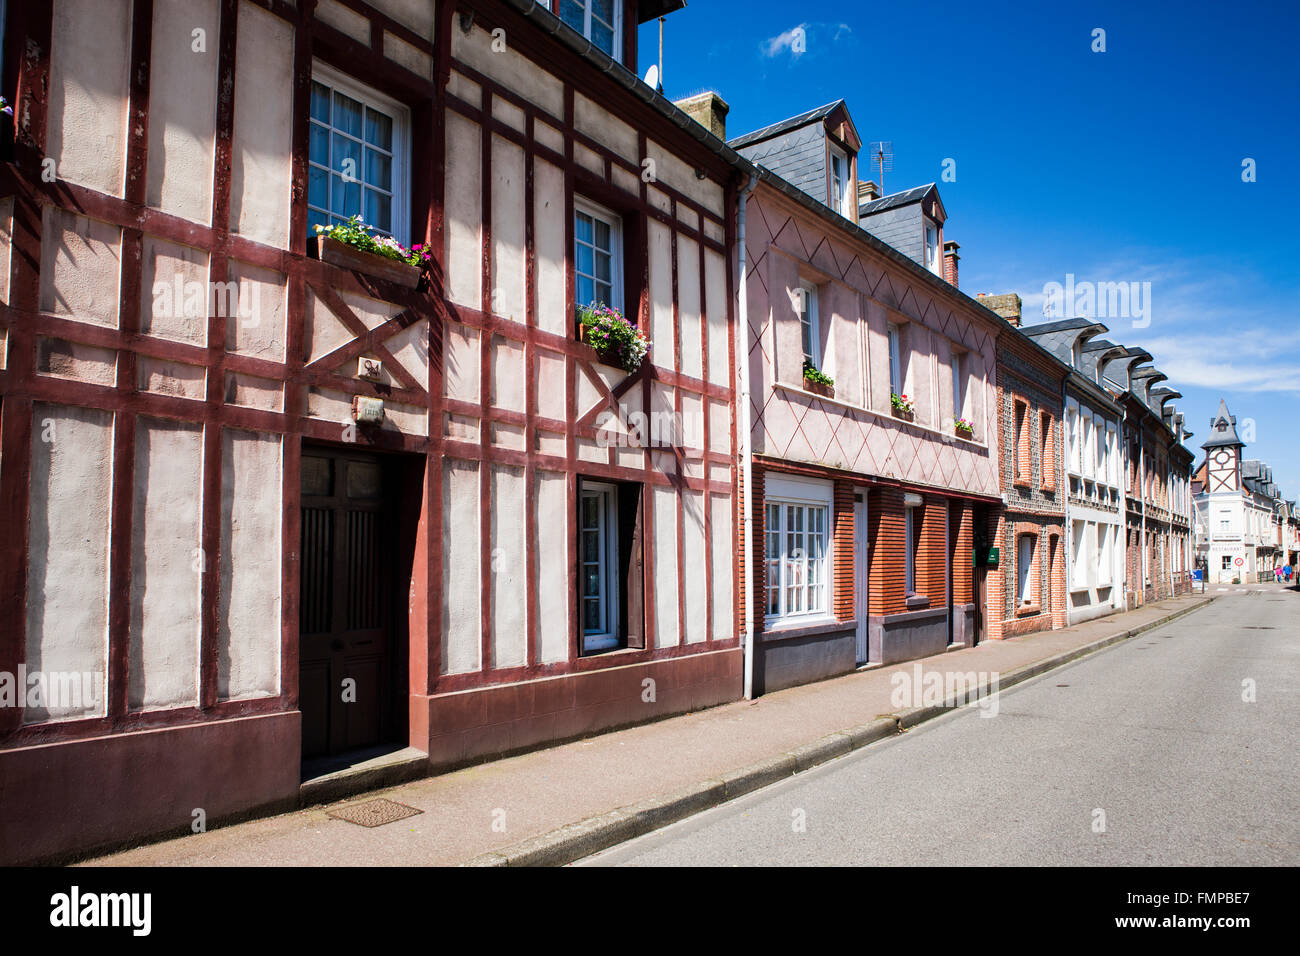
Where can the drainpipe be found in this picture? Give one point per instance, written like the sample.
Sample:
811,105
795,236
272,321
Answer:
746,442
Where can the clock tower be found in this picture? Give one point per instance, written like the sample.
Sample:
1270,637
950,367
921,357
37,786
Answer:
1223,452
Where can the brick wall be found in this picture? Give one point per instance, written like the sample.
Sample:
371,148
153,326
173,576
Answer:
963,542
887,565
844,551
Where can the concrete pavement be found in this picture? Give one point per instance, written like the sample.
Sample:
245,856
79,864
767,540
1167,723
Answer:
616,785
1175,748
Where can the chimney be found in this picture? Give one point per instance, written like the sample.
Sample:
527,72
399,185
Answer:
950,259
709,110
1007,306
867,191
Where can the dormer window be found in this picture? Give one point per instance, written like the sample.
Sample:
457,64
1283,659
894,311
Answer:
843,196
597,20
932,257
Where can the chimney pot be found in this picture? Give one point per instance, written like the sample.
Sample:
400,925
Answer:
1007,306
867,191
950,259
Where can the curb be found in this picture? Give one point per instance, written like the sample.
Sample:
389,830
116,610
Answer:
574,841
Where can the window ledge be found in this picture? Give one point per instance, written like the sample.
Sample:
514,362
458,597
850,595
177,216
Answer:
786,629
1028,610
917,602
947,436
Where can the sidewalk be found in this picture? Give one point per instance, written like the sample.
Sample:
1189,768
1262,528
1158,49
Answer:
633,780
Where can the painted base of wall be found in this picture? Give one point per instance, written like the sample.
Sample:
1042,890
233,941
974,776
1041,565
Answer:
474,725
907,636
73,797
787,658
963,625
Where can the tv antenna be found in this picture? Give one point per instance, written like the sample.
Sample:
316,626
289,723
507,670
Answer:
882,154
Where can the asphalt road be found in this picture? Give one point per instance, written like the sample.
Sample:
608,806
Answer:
1153,733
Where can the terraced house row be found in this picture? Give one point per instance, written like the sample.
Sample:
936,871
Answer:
285,515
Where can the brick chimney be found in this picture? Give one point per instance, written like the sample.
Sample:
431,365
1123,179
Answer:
1007,306
709,110
867,191
950,259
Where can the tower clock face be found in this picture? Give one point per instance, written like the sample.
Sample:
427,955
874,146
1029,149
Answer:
1222,457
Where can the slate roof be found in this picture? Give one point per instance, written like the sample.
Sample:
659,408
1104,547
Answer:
1223,429
894,200
776,129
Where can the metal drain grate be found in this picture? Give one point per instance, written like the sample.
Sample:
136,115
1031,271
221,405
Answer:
374,813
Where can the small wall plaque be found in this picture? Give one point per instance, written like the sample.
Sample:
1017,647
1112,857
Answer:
367,411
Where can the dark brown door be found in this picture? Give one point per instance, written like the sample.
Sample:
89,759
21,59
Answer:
345,614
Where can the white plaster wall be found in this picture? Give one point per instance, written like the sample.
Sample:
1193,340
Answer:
248,626
419,16
182,108
166,563
411,347
462,649
551,385
722,544
509,591
661,295
260,329
695,558
262,137
688,306
463,211
81,265
165,377
90,49
513,71
6,247
67,581
715,299
324,332
344,19
461,362
408,56
665,583
507,374
174,292
605,128
552,576
507,229
548,247
681,176
86,363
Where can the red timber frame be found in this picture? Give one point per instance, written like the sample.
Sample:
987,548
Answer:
27,71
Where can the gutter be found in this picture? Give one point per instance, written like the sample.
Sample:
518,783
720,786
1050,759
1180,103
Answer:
746,433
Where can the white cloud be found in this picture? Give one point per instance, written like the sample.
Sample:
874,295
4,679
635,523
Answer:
773,46
804,37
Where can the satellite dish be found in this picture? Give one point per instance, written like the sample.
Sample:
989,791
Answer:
652,76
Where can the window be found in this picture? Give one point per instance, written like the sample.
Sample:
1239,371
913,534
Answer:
843,195
599,552
895,362
932,247
1020,454
1103,554
1024,567
958,383
1227,562
597,255
912,531
1072,428
597,20
808,324
1078,536
356,156
796,559
1047,453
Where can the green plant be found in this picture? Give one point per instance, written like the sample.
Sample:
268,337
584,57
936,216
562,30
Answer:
963,425
609,333
901,403
813,374
357,234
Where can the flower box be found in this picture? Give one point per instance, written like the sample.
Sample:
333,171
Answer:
345,256
906,414
819,388
963,432
614,339
604,356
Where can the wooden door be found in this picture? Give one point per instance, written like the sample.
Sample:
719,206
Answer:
345,613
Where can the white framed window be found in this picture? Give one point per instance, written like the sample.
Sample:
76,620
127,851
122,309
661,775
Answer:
1072,433
1112,454
843,193
958,384
598,20
798,548
598,554
597,255
932,258
895,361
808,327
1079,542
911,542
1103,553
1099,429
1024,567
357,156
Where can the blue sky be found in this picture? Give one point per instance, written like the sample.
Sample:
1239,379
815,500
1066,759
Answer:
1122,166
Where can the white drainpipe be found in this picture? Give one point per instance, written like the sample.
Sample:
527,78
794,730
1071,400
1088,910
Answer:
746,444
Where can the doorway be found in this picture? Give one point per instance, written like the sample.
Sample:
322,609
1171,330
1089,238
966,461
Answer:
354,571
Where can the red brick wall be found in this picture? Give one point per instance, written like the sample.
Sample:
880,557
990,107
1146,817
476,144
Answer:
887,564
844,557
963,542
932,553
